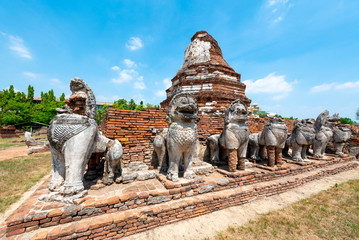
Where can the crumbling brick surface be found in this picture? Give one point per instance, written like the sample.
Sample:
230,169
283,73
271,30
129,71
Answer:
137,129
8,131
207,76
126,212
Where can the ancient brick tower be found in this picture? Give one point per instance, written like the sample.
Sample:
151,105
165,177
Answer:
207,76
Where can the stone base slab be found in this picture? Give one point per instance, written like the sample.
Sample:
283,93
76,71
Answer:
148,204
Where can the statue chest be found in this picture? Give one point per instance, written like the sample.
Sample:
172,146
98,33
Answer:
183,134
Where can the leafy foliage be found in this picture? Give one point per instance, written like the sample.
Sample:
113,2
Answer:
101,113
17,107
347,121
131,105
261,113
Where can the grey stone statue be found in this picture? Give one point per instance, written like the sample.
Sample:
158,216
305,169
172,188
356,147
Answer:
159,145
273,137
341,135
73,138
182,134
324,132
301,138
212,145
33,145
233,140
255,151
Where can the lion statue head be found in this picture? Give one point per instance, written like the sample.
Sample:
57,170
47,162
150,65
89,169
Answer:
183,107
236,112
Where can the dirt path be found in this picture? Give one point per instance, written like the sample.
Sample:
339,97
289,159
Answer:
13,152
208,225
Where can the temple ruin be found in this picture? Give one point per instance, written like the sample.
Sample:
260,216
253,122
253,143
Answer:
207,76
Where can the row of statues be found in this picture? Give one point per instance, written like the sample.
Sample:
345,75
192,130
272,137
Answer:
235,144
74,136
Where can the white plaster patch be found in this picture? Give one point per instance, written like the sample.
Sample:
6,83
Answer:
197,52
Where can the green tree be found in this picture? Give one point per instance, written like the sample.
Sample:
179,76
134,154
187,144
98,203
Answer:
261,113
62,97
101,113
347,121
46,110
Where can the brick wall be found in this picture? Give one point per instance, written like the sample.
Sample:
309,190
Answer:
8,132
137,129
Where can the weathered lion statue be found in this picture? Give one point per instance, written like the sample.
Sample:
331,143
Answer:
324,132
159,145
341,135
233,140
301,138
73,136
182,134
272,137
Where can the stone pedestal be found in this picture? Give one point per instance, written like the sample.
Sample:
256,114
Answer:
271,156
232,160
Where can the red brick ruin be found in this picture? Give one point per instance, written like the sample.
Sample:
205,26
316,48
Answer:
125,209
207,76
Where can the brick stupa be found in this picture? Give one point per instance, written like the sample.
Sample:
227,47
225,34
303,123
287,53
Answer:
207,76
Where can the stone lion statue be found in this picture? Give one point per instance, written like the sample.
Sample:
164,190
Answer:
302,136
182,134
73,136
324,132
272,137
233,140
159,145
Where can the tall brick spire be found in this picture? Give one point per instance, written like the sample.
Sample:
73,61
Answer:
207,76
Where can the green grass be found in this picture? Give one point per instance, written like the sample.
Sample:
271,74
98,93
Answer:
10,142
6,143
331,214
19,174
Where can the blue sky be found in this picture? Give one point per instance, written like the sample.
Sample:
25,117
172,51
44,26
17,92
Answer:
297,58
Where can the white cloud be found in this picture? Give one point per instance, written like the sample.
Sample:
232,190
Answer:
160,93
18,46
108,99
115,68
278,19
278,8
125,75
166,83
275,2
138,98
348,85
322,88
134,43
129,63
55,80
339,86
29,74
15,90
271,84
139,85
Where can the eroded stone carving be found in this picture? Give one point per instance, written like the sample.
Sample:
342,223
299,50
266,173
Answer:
233,140
212,144
112,160
273,137
35,146
324,132
182,134
159,144
302,136
73,137
341,136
